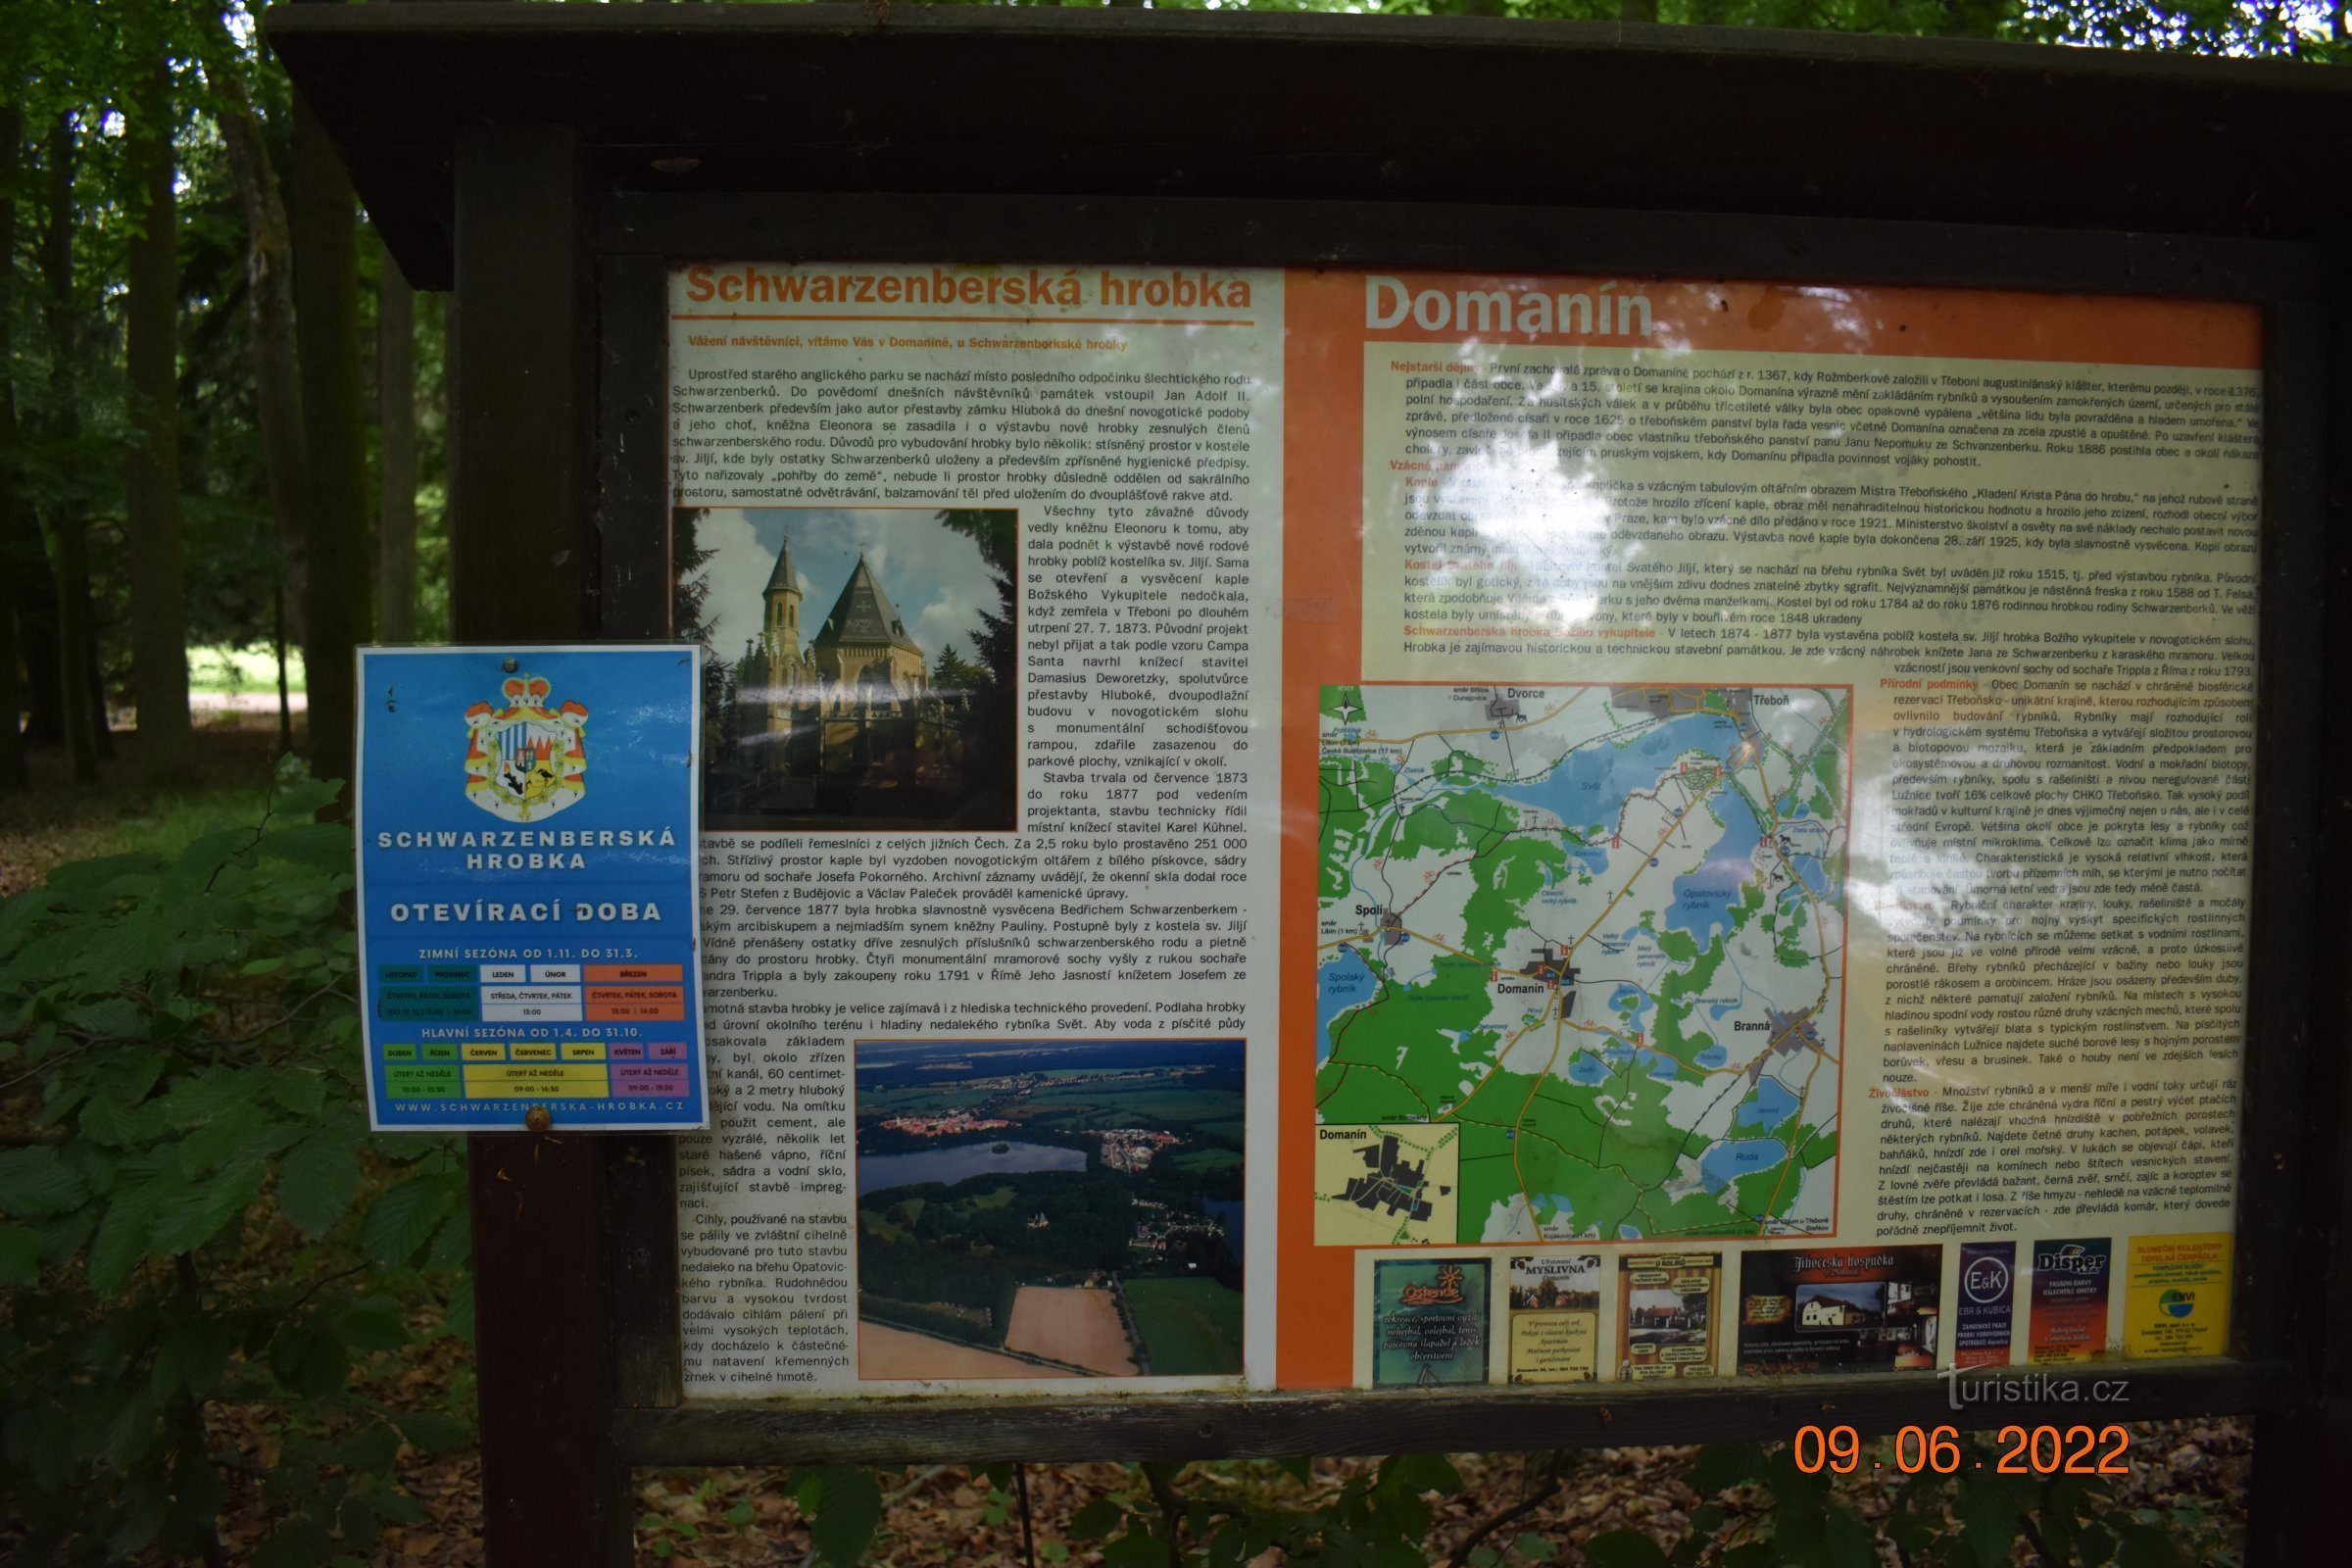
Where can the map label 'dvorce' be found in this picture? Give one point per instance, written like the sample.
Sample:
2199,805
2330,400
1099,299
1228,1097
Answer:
1597,930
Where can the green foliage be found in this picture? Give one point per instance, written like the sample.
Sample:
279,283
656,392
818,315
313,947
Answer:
1970,1518
2196,27
952,670
70,71
1223,1515
2200,26
843,1506
1624,1548
203,1224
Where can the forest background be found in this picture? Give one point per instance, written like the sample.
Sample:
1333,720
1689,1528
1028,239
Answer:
234,1328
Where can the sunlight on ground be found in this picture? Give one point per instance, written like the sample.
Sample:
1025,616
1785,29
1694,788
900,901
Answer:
233,671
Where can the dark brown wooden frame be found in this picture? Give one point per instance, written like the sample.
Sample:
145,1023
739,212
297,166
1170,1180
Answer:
552,164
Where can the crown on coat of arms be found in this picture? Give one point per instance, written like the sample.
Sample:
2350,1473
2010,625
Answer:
525,759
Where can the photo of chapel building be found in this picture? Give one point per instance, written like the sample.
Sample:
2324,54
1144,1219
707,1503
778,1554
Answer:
836,716
861,648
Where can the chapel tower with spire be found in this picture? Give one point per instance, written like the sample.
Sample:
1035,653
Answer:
780,623
774,672
855,700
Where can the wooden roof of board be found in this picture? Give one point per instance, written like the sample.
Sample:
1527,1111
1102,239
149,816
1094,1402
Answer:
1286,107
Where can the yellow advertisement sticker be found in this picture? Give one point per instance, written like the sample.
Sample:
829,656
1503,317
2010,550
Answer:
2177,1299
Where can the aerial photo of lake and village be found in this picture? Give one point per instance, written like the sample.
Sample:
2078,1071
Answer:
1049,1208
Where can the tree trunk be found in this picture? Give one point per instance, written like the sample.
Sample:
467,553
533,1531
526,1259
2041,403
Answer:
94,664
158,642
269,314
13,776
70,564
35,593
396,453
15,513
327,304
64,526
285,706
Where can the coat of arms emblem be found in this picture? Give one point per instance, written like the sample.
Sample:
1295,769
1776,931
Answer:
524,759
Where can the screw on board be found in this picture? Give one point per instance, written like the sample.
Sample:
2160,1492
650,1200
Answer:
538,1118
509,665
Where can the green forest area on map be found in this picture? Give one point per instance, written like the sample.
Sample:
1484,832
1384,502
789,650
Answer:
1598,932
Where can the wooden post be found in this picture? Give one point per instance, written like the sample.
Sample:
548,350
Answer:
523,475
521,549
2300,1451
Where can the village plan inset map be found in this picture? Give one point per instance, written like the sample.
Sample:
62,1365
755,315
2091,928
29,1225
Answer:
1597,930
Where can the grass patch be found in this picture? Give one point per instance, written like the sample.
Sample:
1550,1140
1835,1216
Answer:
227,672
223,781
1191,1327
177,821
1206,1160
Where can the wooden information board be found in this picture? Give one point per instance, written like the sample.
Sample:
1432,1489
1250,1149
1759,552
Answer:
1353,769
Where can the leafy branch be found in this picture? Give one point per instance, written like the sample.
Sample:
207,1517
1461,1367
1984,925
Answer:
169,1155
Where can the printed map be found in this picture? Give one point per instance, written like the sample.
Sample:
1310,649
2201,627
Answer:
1600,932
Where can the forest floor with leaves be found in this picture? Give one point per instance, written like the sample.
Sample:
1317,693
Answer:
226,772
2195,1473
949,1515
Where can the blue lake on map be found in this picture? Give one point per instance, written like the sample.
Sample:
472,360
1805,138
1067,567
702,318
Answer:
1712,1056
1589,785
1812,874
1656,1063
1702,900
1593,857
878,1172
1772,1105
1725,1164
1343,981
1587,1070
1635,998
